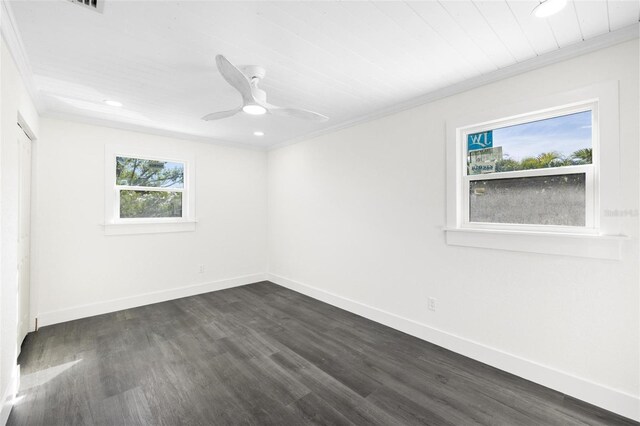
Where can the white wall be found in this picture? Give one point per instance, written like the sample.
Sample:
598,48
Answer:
355,219
14,101
79,271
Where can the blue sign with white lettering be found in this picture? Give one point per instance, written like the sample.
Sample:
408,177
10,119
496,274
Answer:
480,140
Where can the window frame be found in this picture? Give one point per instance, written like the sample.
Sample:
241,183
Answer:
606,240
115,225
592,219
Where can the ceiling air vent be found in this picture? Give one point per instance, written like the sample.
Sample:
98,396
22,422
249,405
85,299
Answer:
91,4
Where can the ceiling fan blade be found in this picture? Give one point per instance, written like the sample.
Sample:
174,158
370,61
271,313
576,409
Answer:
221,114
297,113
235,78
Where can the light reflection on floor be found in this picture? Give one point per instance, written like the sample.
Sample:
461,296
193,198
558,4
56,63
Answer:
41,377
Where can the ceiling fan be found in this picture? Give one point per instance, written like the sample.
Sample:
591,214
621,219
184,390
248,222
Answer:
254,100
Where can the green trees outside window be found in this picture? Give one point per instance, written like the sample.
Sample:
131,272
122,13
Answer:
545,160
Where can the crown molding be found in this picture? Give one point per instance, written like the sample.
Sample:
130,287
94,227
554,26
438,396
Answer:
11,36
578,49
132,127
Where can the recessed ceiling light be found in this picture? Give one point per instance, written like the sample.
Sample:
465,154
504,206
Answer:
258,133
112,103
549,7
254,109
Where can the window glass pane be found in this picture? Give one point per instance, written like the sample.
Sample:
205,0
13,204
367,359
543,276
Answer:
539,200
553,142
153,173
137,204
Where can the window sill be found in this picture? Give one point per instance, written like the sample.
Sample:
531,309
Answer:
148,227
579,245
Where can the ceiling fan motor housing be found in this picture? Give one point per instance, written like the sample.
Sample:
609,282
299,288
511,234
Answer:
259,94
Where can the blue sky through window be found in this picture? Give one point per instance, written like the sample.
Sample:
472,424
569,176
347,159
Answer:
565,134
169,166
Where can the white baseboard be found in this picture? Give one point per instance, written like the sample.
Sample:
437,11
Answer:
89,310
7,396
602,396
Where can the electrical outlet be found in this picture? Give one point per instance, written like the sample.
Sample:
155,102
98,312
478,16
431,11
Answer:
431,303
201,269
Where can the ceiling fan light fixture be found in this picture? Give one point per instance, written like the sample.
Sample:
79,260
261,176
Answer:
547,8
254,109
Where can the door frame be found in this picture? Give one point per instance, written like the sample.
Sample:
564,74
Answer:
26,322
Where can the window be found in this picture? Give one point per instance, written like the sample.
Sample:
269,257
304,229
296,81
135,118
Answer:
149,188
538,175
533,172
146,193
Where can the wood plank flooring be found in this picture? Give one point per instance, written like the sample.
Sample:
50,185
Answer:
261,354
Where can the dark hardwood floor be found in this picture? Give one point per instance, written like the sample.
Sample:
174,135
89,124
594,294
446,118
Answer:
262,354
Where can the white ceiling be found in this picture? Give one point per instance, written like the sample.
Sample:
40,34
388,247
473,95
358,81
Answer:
342,59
